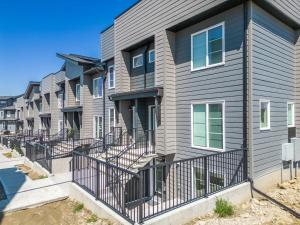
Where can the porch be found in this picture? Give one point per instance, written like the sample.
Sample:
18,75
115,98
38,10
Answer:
161,186
73,120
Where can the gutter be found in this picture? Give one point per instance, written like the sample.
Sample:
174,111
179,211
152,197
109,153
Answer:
145,65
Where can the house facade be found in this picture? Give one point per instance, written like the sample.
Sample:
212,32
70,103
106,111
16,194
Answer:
8,114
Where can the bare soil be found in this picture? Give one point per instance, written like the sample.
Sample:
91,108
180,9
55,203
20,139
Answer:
58,213
260,211
29,172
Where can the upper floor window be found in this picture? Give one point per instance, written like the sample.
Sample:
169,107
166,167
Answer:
1,114
60,100
291,114
77,92
97,87
138,61
111,77
8,114
208,48
208,125
264,108
151,56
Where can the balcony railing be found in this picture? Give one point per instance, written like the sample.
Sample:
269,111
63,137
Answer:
137,197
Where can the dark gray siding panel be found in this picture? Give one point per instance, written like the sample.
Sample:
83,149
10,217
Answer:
107,44
219,83
273,79
73,70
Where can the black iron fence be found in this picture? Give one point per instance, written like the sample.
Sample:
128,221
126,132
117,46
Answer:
5,141
161,186
40,153
16,144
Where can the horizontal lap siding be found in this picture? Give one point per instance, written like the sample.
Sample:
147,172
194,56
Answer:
273,79
219,83
107,44
297,83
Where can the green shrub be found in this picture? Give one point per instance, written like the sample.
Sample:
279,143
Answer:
224,208
70,133
78,207
92,219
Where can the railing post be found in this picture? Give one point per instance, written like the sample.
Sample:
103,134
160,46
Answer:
140,214
245,161
73,165
206,176
97,180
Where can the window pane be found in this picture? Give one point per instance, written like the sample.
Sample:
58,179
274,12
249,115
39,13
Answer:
151,56
100,87
199,182
290,114
215,45
199,125
111,77
215,120
264,114
199,50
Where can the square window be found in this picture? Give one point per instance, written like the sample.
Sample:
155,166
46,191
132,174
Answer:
208,47
151,56
138,61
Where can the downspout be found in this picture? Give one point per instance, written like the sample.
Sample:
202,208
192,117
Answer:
145,65
104,101
245,90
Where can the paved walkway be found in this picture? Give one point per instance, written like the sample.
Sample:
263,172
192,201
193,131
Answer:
21,191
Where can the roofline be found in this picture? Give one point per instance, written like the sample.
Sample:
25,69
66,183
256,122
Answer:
130,7
107,28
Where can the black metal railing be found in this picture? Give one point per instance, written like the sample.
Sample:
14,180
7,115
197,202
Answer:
40,153
16,144
160,187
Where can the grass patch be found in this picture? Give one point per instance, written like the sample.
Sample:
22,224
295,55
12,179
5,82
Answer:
92,219
224,208
78,207
43,177
8,154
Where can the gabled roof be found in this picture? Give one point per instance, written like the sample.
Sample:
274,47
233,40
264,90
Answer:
79,58
30,87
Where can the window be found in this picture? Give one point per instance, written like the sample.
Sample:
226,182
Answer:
60,125
151,56
159,175
8,114
138,61
291,114
60,100
208,48
1,114
111,77
41,107
199,182
98,87
111,116
97,127
208,125
216,181
77,92
264,114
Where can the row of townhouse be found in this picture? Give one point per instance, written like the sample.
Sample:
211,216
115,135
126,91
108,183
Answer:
192,77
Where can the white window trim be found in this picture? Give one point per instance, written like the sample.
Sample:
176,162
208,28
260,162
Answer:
207,136
60,98
96,97
269,114
149,61
76,97
94,126
111,87
58,126
109,125
207,59
137,56
293,111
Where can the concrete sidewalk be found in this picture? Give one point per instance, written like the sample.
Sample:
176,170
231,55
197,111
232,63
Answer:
21,191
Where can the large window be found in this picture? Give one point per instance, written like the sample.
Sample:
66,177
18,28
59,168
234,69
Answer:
60,99
264,108
98,87
138,61
208,125
97,127
77,92
208,47
8,114
111,77
151,56
111,116
291,114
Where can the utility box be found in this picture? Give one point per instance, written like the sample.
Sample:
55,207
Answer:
287,152
296,143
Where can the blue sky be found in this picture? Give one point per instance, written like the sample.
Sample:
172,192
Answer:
33,31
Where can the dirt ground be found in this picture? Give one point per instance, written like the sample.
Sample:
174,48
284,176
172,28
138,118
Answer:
259,211
59,213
